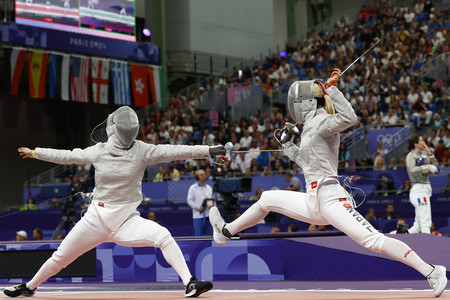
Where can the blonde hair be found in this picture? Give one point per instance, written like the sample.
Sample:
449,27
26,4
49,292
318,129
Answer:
318,93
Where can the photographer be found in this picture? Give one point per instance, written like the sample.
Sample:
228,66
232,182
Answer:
198,199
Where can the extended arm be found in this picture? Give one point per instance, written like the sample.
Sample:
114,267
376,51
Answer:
167,153
63,157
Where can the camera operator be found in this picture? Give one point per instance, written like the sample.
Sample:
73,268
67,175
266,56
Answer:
199,199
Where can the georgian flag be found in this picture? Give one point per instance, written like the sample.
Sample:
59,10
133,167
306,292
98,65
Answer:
100,80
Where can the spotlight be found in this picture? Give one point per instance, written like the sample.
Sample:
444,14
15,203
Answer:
146,32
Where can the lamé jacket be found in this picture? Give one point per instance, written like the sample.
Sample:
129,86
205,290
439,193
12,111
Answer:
119,172
320,139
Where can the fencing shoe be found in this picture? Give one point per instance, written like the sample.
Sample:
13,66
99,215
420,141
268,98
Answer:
19,290
196,287
217,224
438,280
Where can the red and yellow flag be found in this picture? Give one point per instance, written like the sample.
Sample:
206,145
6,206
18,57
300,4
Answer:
37,74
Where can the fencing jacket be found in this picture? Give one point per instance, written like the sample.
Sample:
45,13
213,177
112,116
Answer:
320,139
119,172
419,173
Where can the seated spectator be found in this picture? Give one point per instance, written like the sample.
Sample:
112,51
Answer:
322,228
242,162
37,234
421,112
205,122
60,236
82,173
152,217
390,214
164,135
21,235
257,194
385,187
159,177
393,164
294,183
31,204
434,231
174,173
55,203
254,150
379,164
402,227
275,229
293,228
246,139
440,151
208,138
312,227
70,172
405,189
391,118
264,157
370,214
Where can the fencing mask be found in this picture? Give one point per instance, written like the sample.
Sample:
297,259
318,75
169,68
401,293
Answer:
302,104
124,124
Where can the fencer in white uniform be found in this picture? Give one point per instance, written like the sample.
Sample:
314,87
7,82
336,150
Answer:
119,165
326,201
420,163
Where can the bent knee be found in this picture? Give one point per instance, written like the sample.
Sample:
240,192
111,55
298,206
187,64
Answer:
374,242
163,238
268,199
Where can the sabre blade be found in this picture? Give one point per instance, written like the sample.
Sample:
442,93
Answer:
348,67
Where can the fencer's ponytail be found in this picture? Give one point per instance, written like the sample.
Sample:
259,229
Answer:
318,93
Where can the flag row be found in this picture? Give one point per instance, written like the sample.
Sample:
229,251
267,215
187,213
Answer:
74,78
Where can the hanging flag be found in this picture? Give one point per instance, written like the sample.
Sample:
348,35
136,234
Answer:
139,84
17,61
79,79
37,74
58,69
121,82
52,74
100,80
65,77
156,85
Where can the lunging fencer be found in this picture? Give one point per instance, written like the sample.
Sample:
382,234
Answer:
420,163
119,165
326,201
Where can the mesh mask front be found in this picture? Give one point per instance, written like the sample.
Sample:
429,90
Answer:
124,123
301,102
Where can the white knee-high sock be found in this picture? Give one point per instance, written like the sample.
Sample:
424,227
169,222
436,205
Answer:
402,252
47,270
252,216
172,253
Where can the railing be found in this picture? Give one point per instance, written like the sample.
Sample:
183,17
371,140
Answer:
48,176
437,68
398,146
356,143
183,60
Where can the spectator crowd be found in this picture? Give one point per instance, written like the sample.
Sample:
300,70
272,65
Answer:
385,88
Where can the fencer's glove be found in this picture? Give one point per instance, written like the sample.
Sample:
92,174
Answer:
289,131
434,169
215,151
286,136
